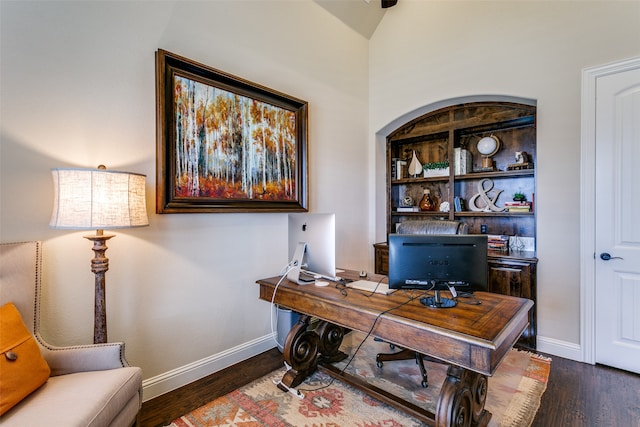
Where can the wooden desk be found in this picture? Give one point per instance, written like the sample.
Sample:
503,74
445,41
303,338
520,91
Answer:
510,273
472,339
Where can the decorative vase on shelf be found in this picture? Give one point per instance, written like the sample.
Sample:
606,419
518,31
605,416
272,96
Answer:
427,203
415,167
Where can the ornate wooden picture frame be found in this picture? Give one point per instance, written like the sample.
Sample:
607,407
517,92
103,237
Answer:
225,144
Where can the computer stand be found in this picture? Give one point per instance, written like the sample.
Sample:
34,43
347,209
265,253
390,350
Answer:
438,301
294,273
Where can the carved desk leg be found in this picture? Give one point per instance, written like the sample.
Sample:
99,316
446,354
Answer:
300,352
462,398
330,340
304,349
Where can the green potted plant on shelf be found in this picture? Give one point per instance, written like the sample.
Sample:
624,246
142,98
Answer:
436,169
519,197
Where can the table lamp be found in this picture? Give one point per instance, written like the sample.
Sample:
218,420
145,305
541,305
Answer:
86,199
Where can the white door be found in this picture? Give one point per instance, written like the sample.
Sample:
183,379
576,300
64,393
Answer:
617,220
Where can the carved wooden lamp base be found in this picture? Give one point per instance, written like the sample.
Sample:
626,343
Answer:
99,266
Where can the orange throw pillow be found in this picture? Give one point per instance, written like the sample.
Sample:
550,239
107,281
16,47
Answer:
22,367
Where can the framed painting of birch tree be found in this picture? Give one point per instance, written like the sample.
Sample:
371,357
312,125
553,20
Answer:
225,144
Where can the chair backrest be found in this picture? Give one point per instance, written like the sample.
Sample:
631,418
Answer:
20,270
432,226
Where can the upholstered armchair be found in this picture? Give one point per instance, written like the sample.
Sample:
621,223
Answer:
89,385
429,226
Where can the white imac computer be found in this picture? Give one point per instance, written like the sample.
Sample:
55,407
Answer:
312,247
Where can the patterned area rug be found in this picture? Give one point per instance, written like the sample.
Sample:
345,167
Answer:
514,394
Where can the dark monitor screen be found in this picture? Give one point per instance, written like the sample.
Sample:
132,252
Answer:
438,261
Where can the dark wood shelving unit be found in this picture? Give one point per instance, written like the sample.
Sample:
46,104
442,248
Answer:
435,137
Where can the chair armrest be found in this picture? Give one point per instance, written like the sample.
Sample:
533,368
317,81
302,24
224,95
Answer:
83,358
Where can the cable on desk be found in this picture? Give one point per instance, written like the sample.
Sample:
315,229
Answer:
342,286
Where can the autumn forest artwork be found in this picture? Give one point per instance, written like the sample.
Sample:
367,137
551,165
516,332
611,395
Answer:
229,146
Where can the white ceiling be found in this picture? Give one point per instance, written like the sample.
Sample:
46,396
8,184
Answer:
361,15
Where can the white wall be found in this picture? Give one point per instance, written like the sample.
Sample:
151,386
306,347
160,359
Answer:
78,89
77,85
424,53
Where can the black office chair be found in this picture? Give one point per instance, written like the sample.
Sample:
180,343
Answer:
430,226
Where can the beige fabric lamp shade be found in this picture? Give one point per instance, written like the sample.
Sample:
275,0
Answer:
98,199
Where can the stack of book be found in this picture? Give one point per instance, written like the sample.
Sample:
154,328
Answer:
408,209
518,206
394,168
397,168
498,242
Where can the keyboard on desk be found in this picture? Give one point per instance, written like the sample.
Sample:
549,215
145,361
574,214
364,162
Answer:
369,286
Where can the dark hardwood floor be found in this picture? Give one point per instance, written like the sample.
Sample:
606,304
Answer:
583,395
577,395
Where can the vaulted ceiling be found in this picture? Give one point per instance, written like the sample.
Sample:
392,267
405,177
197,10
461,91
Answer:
361,15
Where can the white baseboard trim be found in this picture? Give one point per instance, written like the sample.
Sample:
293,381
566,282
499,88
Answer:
176,378
559,348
